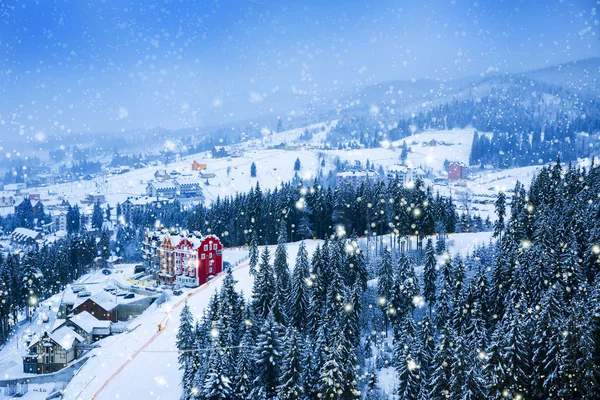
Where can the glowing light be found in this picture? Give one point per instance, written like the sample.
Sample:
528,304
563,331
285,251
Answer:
382,301
481,355
418,301
214,333
340,231
412,365
596,249
348,307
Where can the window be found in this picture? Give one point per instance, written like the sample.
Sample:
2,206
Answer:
214,246
210,255
203,256
205,247
210,270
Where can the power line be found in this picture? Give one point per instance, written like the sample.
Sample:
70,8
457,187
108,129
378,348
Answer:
194,350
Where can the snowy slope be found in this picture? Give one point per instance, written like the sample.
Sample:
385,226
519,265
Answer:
155,369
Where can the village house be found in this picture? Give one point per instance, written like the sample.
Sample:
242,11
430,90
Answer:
87,326
220,151
26,239
196,166
52,351
162,175
102,306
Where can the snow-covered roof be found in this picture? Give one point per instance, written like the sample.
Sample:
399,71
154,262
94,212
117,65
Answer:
21,234
66,337
88,322
188,181
166,185
57,324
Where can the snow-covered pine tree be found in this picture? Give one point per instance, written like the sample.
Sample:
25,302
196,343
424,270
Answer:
291,387
253,253
217,383
332,379
186,344
500,210
406,351
267,358
244,373
282,276
429,276
298,304
263,291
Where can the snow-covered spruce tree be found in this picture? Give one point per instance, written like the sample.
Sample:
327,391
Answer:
263,291
298,303
231,307
267,358
332,378
253,253
217,383
405,290
317,293
282,276
426,346
500,210
406,351
244,373
291,387
441,375
429,276
357,267
509,364
385,284
186,344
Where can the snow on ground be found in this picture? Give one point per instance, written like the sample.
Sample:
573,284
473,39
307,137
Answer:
155,370
232,174
456,148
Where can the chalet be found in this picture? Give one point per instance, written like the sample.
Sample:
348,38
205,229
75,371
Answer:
36,205
87,326
220,151
52,352
196,166
168,189
102,306
26,239
457,171
207,174
162,175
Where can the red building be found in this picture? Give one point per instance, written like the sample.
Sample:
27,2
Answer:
457,171
188,260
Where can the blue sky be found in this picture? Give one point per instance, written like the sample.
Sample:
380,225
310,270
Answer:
74,65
